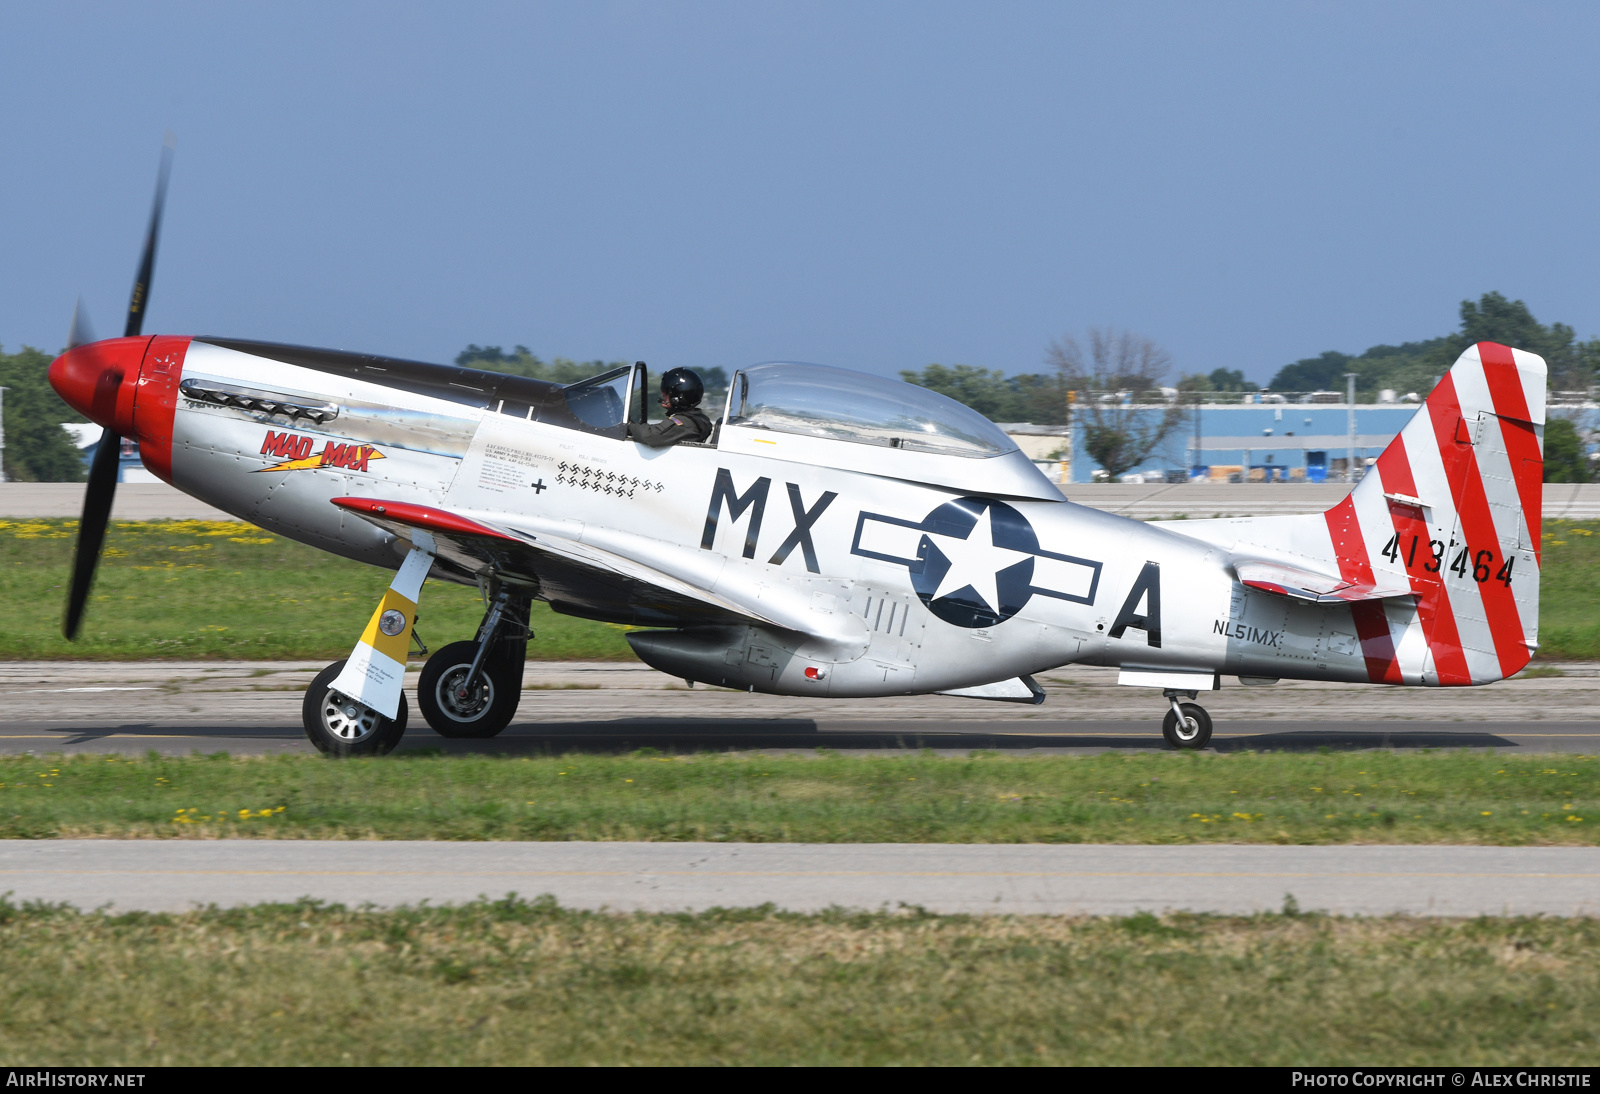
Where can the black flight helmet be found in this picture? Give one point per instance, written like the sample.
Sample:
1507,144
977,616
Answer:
682,387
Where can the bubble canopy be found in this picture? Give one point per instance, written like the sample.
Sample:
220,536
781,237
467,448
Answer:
841,405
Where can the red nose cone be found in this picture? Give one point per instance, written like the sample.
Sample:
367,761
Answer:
98,380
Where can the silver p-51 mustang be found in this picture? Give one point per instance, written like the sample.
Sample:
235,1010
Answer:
839,534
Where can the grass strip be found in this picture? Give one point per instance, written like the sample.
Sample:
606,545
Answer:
224,589
1569,591
1368,797
196,589
520,982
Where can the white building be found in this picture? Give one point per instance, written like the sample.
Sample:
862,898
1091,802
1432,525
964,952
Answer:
130,467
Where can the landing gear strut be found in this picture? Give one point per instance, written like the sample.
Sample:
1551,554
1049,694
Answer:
1187,725
357,707
471,689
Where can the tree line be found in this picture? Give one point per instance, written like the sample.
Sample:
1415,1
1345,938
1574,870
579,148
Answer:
1417,366
1090,382
1041,397
37,449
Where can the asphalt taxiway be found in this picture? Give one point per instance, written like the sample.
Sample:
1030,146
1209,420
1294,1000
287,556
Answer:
789,734
254,707
1153,501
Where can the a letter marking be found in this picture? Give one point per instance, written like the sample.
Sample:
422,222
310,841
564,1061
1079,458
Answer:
737,504
803,522
1146,590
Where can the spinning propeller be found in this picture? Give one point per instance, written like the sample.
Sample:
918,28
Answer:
102,485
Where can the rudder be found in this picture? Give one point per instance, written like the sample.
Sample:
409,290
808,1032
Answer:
1452,508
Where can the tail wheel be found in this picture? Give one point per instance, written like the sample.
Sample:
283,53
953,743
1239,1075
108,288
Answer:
340,726
1193,732
485,710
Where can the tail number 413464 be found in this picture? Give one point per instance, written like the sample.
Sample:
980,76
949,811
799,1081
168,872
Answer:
1430,554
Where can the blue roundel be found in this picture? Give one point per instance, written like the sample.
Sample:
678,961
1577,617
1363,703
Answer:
976,560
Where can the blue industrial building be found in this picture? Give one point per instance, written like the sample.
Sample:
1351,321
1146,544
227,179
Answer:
1259,442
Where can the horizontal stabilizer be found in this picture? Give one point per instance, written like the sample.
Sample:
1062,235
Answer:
1292,581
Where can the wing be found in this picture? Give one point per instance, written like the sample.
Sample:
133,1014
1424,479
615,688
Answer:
574,577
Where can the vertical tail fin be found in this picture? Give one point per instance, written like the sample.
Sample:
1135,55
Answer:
1452,507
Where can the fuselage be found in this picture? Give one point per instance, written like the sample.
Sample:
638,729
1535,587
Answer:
860,568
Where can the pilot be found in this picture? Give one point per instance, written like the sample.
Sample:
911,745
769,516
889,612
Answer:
681,391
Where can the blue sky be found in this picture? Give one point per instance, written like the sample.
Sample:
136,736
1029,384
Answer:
872,185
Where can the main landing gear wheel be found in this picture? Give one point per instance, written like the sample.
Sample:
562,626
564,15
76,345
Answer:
454,712
340,726
1194,731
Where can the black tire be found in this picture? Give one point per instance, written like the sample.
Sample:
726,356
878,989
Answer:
499,691
1196,733
330,730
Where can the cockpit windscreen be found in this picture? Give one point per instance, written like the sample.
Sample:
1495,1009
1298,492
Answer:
836,403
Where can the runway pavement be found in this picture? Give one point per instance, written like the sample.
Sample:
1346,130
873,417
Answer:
133,501
805,734
254,707
172,875
1194,501
157,501
247,707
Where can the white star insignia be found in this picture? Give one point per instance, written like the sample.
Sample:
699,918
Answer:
975,561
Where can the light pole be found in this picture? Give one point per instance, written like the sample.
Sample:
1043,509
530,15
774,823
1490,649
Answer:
3,476
1066,464
1350,427
1198,454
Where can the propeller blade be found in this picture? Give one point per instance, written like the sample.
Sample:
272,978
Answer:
102,487
92,528
81,333
140,298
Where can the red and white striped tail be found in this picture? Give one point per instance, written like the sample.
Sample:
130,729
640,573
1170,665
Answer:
1452,507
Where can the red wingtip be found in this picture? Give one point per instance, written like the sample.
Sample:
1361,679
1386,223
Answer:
425,517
